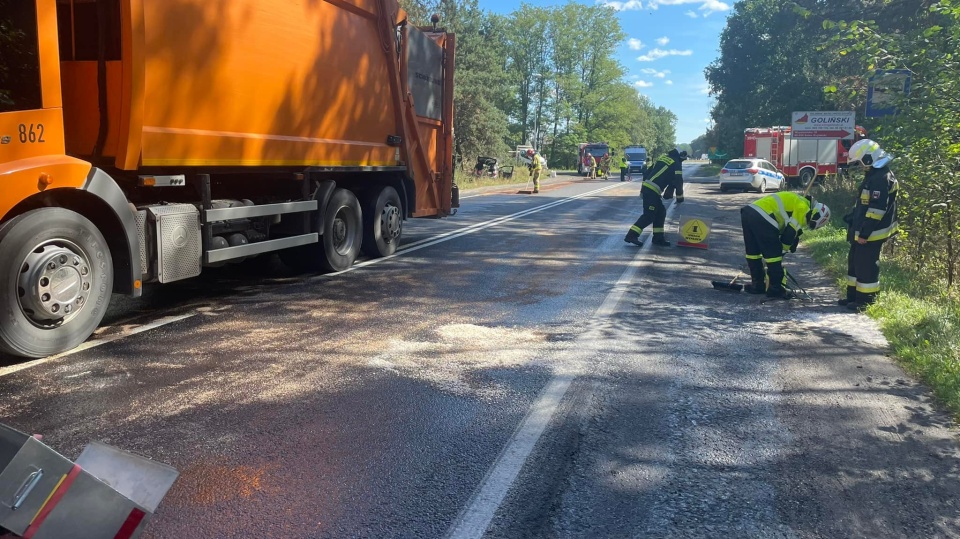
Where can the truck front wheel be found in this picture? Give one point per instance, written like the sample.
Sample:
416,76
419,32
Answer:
56,277
382,223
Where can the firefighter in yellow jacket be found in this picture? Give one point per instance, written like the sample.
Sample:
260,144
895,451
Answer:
772,225
872,222
536,168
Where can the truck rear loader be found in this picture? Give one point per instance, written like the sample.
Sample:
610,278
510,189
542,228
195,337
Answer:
142,141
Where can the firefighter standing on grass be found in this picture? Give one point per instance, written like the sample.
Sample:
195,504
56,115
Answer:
872,221
659,182
772,225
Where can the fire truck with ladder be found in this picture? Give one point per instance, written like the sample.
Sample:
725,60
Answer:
800,159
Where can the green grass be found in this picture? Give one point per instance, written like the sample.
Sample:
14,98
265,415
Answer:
705,171
920,321
466,179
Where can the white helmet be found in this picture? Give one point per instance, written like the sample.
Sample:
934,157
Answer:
819,215
869,153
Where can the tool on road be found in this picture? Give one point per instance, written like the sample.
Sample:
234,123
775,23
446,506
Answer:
106,493
527,189
794,286
732,286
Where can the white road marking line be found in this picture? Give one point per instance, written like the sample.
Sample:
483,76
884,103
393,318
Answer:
475,517
454,234
6,371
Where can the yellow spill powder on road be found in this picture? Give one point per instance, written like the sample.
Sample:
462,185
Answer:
458,351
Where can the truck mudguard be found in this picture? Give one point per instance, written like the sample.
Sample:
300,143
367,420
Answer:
126,268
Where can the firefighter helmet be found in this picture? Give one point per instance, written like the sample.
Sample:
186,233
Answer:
530,152
819,215
869,153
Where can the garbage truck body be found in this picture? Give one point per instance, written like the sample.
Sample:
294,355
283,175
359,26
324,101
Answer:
142,141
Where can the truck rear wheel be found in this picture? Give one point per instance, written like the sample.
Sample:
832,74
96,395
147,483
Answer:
342,231
382,223
56,278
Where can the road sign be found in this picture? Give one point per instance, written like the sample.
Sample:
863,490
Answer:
695,231
884,90
821,124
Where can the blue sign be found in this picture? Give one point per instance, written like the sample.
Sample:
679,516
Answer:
885,89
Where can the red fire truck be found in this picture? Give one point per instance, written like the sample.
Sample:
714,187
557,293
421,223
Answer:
800,159
596,149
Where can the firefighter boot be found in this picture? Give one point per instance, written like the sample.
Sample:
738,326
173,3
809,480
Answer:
779,292
864,300
659,239
758,283
851,296
633,236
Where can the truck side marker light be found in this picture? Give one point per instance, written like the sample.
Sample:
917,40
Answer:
45,180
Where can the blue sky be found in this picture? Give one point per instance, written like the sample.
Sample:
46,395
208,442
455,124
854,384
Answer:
669,43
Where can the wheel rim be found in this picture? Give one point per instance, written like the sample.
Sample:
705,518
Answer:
342,238
390,223
55,283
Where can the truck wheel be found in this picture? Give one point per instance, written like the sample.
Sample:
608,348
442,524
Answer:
805,177
342,231
382,224
56,277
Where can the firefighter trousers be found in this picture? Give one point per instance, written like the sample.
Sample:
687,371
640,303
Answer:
863,272
762,242
654,213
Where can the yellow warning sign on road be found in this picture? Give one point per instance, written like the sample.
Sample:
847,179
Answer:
695,231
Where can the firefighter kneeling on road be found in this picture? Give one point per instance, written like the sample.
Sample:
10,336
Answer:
872,221
772,225
659,183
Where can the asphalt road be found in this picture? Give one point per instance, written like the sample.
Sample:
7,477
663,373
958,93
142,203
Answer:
517,371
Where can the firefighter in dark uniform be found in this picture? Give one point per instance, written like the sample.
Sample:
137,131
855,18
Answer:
772,225
660,182
872,221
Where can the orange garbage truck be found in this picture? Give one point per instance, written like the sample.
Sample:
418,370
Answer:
142,141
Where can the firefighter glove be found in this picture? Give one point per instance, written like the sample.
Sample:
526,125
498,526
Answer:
796,243
679,199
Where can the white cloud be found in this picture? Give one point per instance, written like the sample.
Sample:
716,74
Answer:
629,5
705,89
691,13
635,44
713,6
643,84
656,54
669,83
707,6
655,73
663,41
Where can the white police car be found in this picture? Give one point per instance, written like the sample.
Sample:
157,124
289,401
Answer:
757,174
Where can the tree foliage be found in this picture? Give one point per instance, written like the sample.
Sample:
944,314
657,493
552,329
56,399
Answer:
533,78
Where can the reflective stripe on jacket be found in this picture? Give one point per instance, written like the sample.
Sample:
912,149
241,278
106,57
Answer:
787,212
874,215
